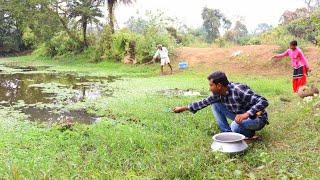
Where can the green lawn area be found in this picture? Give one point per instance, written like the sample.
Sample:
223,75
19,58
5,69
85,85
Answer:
139,138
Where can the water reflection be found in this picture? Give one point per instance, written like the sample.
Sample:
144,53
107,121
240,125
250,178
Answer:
28,87
15,87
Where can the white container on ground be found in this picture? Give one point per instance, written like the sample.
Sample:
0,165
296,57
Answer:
229,142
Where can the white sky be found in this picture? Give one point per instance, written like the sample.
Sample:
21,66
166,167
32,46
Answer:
189,11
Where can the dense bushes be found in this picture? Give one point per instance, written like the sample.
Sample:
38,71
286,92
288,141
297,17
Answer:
107,46
60,44
116,46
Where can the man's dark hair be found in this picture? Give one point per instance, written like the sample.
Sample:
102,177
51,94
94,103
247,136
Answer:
219,77
294,43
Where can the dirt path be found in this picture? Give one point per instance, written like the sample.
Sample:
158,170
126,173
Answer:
253,60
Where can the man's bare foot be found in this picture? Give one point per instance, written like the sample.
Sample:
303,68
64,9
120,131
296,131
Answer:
253,139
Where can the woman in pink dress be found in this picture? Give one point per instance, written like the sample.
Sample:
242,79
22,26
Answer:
299,63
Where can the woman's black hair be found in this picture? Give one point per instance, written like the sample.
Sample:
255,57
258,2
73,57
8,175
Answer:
294,43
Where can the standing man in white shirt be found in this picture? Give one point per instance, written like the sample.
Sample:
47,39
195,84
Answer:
162,52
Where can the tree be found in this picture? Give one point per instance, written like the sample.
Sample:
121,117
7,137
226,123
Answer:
87,11
71,13
236,33
10,34
111,6
262,28
240,30
31,19
212,20
289,16
174,33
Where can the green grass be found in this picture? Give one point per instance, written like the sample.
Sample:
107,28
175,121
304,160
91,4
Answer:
139,138
82,64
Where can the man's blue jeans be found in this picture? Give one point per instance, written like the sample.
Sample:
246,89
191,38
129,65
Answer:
247,127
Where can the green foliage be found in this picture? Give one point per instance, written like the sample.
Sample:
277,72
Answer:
243,40
120,44
238,34
29,37
104,45
115,46
146,46
248,40
60,44
173,32
240,30
303,24
281,37
87,12
254,41
10,32
221,42
33,17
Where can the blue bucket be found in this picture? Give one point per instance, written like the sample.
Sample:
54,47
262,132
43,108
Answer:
183,65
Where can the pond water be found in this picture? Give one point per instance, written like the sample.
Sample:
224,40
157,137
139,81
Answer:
34,85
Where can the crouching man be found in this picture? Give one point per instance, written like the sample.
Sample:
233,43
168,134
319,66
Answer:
234,101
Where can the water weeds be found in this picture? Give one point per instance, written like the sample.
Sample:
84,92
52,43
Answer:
47,96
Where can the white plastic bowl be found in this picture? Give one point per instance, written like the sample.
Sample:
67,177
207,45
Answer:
229,142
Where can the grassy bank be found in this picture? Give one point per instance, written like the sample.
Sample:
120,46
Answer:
139,138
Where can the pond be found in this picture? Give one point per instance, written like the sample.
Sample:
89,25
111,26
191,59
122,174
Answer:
25,88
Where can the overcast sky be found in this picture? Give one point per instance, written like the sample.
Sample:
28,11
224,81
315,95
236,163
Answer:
189,11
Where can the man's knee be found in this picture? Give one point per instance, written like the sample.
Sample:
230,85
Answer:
235,127
238,128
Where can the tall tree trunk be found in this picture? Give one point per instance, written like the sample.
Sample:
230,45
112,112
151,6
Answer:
84,30
111,15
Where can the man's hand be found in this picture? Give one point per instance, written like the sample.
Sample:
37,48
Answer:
180,109
240,117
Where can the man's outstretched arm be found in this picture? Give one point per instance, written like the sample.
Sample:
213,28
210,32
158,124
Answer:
196,106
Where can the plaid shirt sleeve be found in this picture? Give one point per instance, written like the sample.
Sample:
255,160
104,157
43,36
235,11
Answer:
196,106
257,102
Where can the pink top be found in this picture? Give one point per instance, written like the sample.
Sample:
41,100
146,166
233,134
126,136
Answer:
297,57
